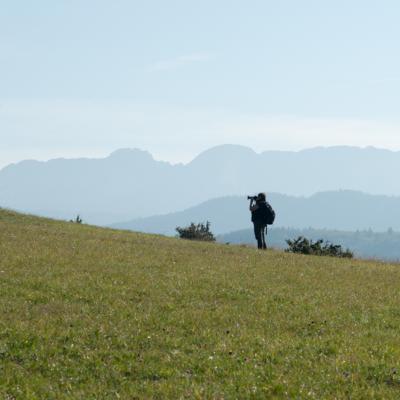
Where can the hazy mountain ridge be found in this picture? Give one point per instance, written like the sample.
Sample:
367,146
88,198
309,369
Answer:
130,183
343,210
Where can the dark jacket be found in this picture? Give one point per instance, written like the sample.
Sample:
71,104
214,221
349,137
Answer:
257,215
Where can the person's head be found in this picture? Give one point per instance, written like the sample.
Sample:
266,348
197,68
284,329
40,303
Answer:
261,197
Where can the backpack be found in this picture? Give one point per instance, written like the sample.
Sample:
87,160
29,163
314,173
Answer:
265,214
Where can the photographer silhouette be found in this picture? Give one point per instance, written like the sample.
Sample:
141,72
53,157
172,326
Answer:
262,215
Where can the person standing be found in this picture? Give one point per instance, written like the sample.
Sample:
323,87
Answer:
262,215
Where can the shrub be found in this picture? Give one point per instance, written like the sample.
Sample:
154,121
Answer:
196,232
77,220
319,248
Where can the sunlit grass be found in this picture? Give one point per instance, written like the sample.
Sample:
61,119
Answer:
90,313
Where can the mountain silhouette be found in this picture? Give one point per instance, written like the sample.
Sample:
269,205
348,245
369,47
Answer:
131,184
342,210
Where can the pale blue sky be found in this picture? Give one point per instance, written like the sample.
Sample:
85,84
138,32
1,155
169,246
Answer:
175,77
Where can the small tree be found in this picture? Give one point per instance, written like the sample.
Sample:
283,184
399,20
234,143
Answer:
77,220
196,232
319,248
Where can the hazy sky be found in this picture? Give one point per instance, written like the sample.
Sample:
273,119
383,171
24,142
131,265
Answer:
175,77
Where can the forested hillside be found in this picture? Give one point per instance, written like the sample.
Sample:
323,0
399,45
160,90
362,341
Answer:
365,244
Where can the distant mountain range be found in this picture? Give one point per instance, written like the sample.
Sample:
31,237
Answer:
342,210
131,184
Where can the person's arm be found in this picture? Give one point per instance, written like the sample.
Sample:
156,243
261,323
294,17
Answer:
253,207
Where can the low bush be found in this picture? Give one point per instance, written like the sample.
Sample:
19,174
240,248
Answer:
77,220
196,232
303,245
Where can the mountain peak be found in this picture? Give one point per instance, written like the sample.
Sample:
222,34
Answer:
226,150
126,154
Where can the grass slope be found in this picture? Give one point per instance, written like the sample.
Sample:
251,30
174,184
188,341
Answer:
90,313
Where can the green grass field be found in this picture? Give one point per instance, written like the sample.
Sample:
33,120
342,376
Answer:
90,313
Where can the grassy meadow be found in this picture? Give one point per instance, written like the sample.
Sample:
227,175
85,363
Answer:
91,313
